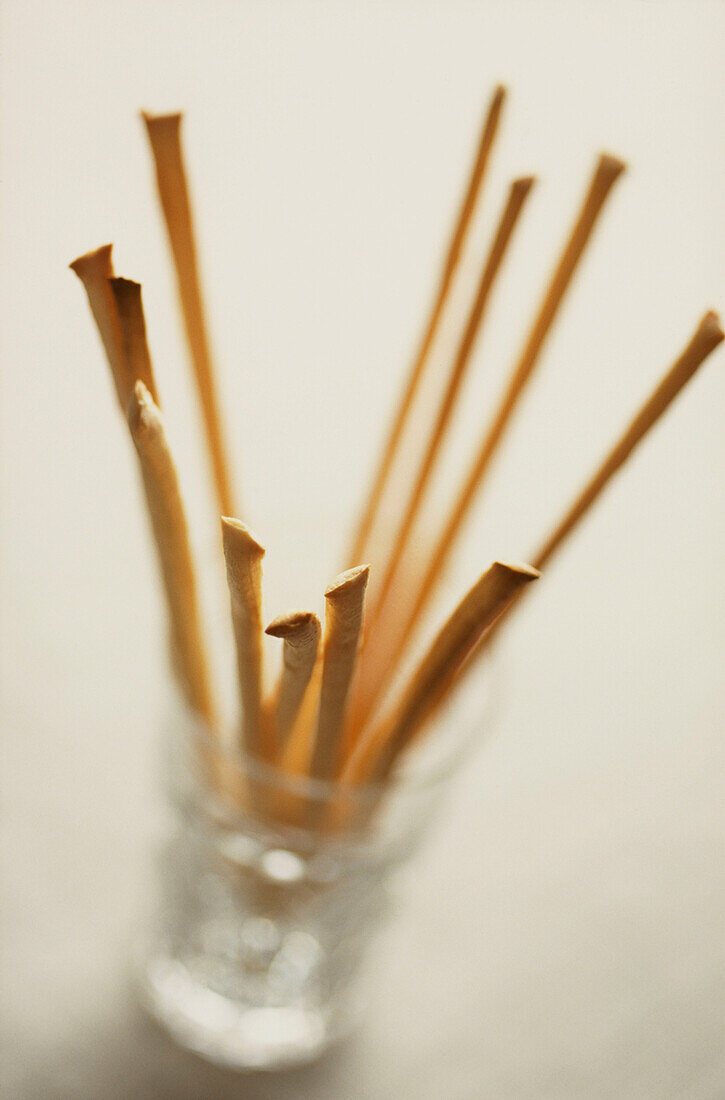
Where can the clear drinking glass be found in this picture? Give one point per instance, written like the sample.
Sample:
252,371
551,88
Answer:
271,887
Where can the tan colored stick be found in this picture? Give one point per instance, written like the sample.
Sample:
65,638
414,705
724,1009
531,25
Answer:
368,513
129,306
165,138
301,633
94,269
387,655
344,602
243,555
705,339
517,196
172,544
378,749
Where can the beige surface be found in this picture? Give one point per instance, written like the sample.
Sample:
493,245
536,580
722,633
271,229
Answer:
562,935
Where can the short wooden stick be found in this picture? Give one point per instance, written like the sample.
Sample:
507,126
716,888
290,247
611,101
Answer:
300,632
172,545
95,269
129,306
344,603
243,554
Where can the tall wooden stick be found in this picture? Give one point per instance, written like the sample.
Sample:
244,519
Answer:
387,655
518,192
165,138
172,544
375,753
301,633
129,306
369,511
344,600
704,340
243,554
95,269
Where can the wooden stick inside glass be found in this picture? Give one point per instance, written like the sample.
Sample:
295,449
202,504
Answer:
344,603
164,133
378,668
243,554
168,522
518,193
377,750
368,513
129,305
705,339
95,269
300,632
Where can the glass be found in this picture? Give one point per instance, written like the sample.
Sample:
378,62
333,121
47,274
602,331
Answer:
271,887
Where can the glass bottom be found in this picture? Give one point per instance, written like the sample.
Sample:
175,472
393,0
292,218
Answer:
225,1030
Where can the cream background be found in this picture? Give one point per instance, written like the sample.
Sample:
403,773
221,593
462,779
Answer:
562,935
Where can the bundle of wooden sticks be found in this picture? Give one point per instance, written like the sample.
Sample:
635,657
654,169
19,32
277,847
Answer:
335,711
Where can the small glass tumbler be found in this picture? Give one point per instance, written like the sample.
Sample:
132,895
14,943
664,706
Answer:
270,893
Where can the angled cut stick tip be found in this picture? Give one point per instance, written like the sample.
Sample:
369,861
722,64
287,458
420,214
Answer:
168,119
348,580
610,166
237,536
518,568
97,258
710,328
523,184
293,623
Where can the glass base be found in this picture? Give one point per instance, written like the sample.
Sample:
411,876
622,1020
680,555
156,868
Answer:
227,1031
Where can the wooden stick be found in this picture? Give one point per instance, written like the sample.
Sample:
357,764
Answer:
376,752
165,138
705,339
94,269
387,656
172,545
301,633
368,513
518,192
243,554
129,307
344,602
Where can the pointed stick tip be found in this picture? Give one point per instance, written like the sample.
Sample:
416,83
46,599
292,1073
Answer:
344,582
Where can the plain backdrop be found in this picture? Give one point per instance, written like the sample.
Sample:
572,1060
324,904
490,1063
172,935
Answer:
562,934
